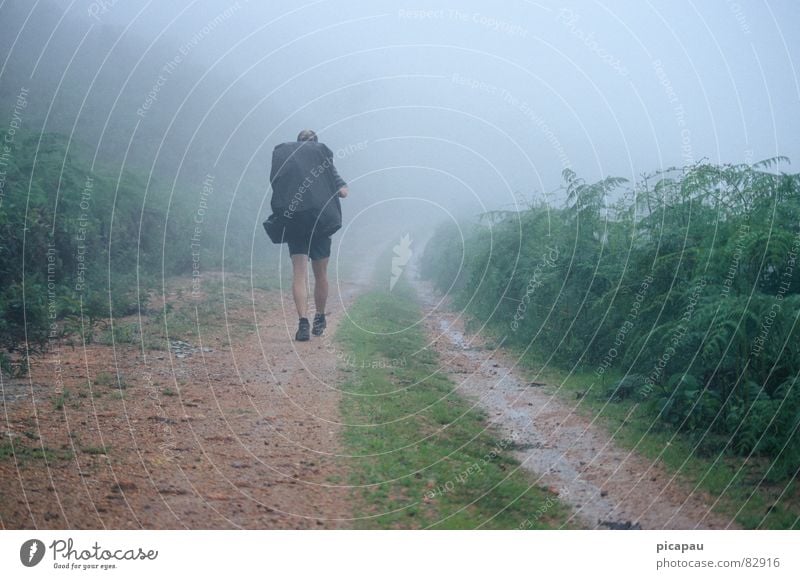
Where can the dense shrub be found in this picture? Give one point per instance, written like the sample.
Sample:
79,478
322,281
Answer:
686,287
77,241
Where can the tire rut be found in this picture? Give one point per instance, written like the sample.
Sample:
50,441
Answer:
608,486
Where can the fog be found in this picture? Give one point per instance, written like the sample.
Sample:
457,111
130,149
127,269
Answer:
436,110
564,293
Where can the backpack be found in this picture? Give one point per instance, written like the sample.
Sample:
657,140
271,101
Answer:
304,192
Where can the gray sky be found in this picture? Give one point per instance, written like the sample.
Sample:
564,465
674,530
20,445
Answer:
468,100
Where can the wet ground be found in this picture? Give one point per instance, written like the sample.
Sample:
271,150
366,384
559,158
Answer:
564,449
234,427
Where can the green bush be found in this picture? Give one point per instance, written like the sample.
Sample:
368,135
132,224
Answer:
79,243
687,286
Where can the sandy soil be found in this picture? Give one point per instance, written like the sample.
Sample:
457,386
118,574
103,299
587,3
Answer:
236,428
609,487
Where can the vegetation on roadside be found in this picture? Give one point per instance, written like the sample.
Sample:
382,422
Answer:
424,456
78,243
82,244
673,309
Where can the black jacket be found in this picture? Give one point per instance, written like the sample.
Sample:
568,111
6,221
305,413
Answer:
304,187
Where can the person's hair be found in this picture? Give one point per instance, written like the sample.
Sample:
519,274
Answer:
307,135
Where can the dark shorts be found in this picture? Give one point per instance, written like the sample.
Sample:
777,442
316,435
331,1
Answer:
314,246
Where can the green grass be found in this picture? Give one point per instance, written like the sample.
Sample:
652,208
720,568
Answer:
105,379
426,459
61,399
94,450
633,426
25,453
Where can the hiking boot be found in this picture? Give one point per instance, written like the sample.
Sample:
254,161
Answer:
319,324
302,331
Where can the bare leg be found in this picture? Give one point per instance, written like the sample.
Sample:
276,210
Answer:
300,284
320,267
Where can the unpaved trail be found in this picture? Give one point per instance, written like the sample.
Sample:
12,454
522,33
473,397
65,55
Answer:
238,428
564,449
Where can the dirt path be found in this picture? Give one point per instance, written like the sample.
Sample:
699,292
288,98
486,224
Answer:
236,427
564,449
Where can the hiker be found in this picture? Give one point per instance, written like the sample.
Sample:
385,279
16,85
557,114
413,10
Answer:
306,189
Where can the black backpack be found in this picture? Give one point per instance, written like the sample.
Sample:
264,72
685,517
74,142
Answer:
304,192
276,231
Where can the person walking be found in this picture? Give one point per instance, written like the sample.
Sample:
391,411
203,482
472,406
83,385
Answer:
306,193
